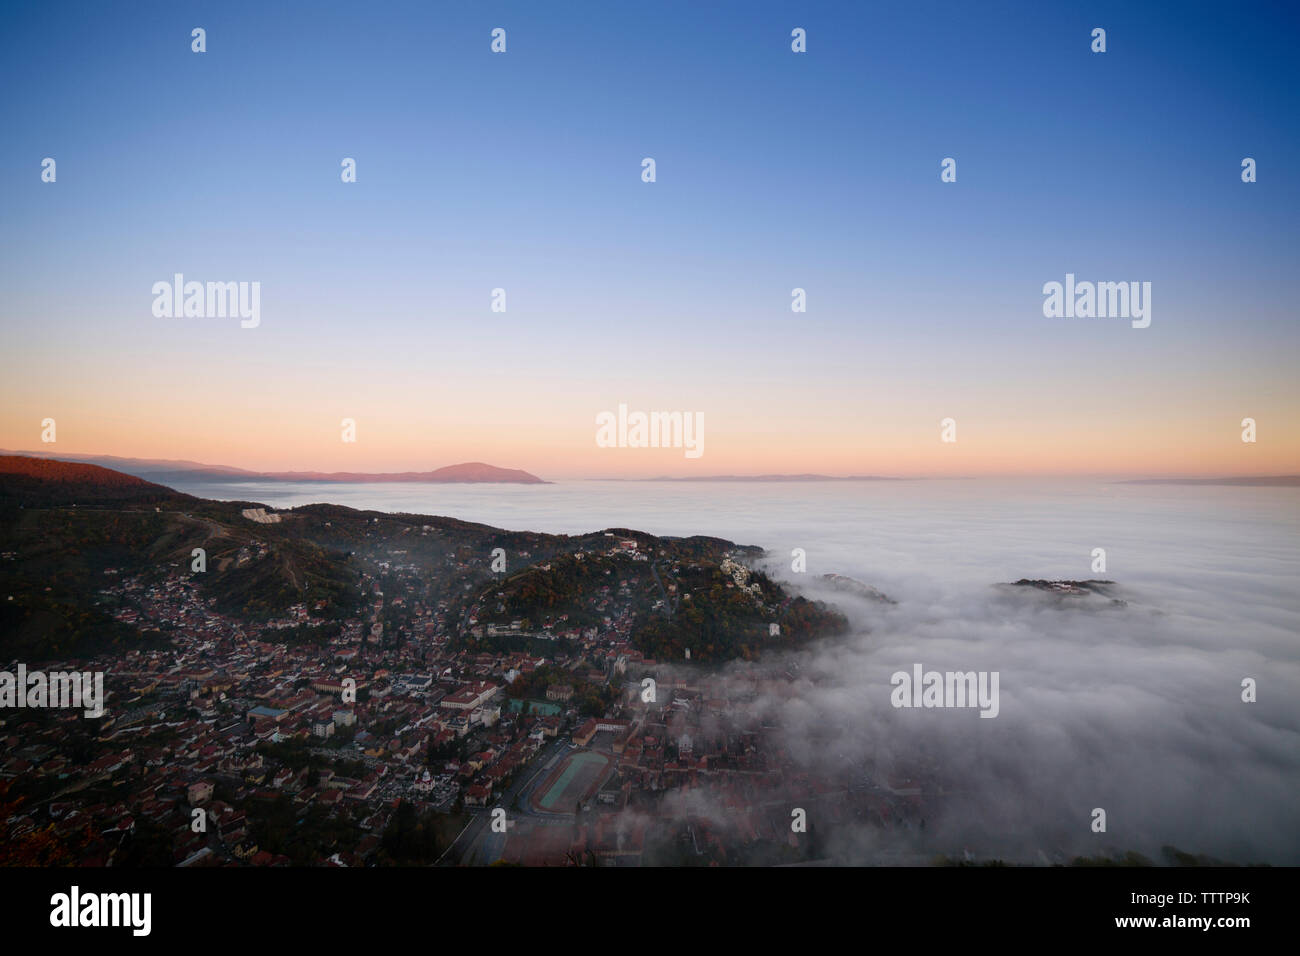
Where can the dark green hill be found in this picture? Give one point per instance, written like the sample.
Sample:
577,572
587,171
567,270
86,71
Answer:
81,547
44,482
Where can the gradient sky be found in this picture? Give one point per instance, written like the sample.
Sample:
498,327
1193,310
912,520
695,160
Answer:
775,170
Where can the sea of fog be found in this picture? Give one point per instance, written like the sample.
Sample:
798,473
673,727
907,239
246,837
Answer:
1136,710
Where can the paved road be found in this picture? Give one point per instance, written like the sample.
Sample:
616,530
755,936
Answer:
466,848
670,603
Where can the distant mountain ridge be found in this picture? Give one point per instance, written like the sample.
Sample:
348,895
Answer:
802,477
470,472
1262,481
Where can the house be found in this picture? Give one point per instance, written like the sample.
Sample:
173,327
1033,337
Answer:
472,695
199,792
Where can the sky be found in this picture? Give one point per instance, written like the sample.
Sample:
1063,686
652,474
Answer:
775,170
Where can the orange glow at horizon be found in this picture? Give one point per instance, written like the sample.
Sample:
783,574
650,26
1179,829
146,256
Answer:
732,445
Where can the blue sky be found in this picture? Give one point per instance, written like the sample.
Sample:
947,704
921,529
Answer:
774,170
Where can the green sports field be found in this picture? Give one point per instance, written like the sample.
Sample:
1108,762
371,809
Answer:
576,778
